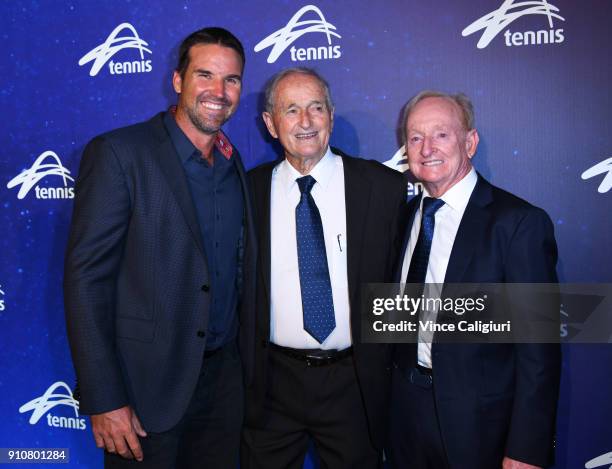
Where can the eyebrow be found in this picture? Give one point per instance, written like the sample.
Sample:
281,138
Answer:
236,77
436,127
294,104
308,105
205,71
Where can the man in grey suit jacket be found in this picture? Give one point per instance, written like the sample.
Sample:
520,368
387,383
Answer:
157,276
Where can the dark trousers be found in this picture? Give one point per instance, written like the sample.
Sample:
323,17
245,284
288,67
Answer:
304,404
415,441
208,435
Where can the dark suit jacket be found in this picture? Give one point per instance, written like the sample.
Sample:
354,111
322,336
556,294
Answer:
136,280
375,209
496,400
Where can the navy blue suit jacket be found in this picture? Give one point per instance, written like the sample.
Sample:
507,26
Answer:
496,400
136,284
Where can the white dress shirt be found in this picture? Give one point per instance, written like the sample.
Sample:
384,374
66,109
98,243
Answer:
286,314
448,217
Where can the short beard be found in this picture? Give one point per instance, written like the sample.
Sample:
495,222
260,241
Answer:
200,124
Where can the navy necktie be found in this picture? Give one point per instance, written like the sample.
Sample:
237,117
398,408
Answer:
420,256
317,300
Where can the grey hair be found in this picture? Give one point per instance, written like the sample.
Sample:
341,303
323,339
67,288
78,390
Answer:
461,100
273,82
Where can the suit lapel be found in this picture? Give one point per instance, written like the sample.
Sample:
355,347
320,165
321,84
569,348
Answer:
471,230
262,190
357,191
249,221
413,206
171,168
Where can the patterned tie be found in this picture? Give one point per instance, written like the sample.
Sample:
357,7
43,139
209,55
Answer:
317,301
420,256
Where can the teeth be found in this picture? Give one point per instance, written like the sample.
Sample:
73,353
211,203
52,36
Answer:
432,163
310,135
213,106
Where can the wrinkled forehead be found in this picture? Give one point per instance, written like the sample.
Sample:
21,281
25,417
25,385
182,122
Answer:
299,84
440,111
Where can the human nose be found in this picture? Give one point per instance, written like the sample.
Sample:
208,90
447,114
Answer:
427,147
305,120
218,88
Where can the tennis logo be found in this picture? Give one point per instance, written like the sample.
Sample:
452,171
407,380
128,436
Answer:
603,167
52,398
31,177
494,22
399,162
604,461
297,27
114,43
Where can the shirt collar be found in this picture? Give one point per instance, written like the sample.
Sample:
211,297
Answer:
182,144
458,196
322,172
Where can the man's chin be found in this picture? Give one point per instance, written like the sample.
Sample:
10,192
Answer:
427,176
209,130
208,127
310,152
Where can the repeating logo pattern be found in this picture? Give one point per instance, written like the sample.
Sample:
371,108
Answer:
41,406
295,29
600,461
399,162
101,54
494,22
30,178
603,167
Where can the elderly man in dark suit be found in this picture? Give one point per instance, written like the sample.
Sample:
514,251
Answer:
327,224
470,406
157,276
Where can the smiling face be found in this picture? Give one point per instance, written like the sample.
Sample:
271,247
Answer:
439,149
301,118
209,90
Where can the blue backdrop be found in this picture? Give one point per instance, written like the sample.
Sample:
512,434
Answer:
538,74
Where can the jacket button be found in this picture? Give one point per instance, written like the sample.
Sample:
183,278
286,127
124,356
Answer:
201,333
205,287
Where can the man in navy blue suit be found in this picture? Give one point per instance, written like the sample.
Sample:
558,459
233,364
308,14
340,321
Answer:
470,406
157,276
